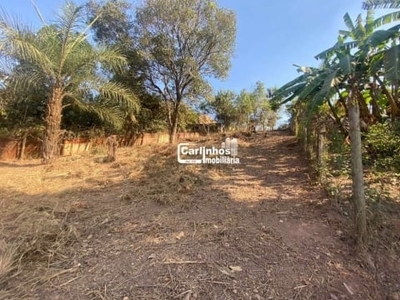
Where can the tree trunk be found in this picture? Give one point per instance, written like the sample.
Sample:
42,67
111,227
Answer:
357,171
174,125
23,146
51,146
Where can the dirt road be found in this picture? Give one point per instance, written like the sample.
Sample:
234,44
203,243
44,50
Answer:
148,228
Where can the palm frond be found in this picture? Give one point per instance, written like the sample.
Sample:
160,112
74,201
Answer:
327,89
349,22
283,95
288,99
313,86
346,65
347,46
18,42
24,81
111,58
370,22
391,60
298,80
104,110
380,37
345,33
373,4
38,13
68,26
376,63
69,20
78,18
116,92
360,32
386,19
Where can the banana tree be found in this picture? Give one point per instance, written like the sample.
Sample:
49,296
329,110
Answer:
362,51
385,69
60,58
351,79
366,40
306,86
342,71
387,61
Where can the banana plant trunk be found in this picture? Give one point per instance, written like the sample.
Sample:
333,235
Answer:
357,169
51,142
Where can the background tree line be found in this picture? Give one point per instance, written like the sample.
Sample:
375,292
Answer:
111,67
247,111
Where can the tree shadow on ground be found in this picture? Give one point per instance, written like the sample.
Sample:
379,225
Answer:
146,227
19,164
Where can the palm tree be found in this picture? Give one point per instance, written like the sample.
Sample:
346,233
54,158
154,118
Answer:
60,58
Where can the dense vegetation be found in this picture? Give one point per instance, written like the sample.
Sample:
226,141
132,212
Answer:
352,98
109,67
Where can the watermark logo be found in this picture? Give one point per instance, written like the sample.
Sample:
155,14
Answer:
227,153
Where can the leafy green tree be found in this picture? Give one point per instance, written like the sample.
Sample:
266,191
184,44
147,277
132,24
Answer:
22,114
264,113
60,57
187,117
114,26
21,110
249,108
183,43
351,70
246,106
223,107
113,23
261,104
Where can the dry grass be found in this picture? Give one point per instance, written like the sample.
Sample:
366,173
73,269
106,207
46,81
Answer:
150,227
34,238
37,235
8,261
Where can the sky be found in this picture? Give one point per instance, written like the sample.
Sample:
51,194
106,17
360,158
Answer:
274,35
271,35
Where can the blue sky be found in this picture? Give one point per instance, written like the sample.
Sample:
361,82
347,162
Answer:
274,35
271,35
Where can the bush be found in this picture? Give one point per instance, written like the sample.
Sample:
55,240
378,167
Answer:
382,147
339,153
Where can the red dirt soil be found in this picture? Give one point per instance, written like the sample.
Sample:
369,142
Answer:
258,230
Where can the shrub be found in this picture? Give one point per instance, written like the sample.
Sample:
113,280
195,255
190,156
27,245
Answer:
382,146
